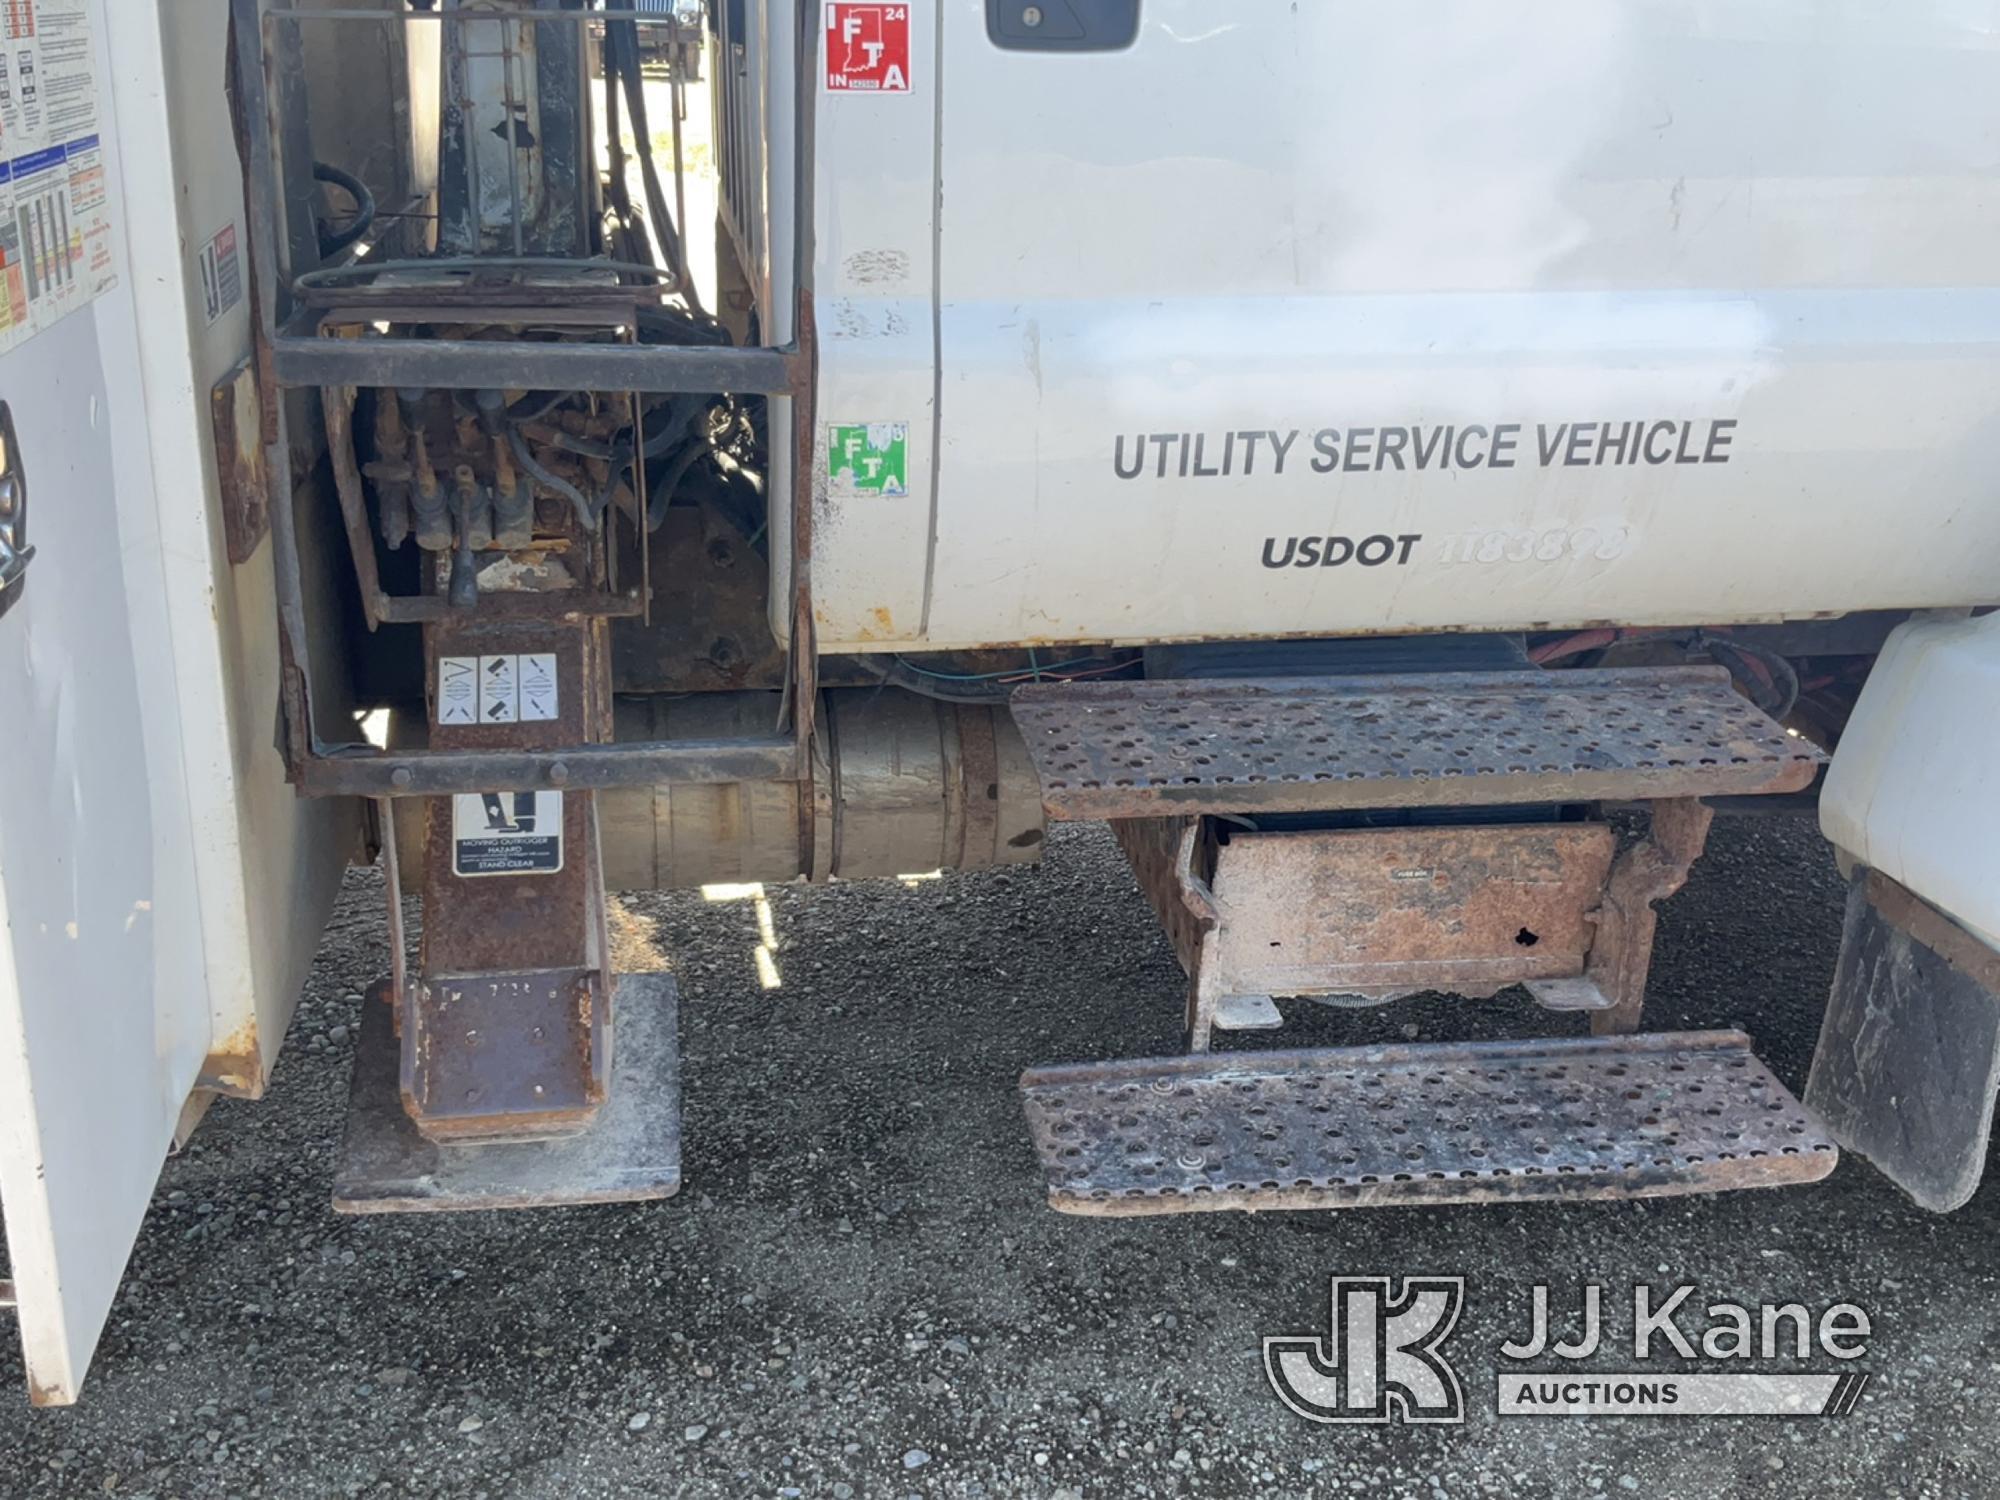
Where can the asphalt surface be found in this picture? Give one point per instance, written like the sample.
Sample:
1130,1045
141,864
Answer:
859,1290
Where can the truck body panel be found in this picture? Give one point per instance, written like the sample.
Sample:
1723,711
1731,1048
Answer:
1315,320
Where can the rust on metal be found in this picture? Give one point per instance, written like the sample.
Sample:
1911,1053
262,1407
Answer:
505,1033
392,879
562,606
976,787
237,417
1382,912
632,1151
710,632
423,773
1143,749
1651,870
1173,859
1356,1127
338,404
1171,866
499,1056
235,1064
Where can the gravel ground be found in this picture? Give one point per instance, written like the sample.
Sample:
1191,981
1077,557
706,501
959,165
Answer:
859,1290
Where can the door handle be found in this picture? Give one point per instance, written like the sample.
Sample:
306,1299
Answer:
1062,25
15,553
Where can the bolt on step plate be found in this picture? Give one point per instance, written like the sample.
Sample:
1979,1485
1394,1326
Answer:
1355,1127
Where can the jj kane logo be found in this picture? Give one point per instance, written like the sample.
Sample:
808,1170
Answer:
1382,1357
1380,1362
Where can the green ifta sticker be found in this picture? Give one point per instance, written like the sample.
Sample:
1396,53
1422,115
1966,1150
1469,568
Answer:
868,458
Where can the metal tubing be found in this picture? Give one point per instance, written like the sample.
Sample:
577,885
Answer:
415,609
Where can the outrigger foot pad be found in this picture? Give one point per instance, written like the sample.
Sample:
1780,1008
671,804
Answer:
631,1151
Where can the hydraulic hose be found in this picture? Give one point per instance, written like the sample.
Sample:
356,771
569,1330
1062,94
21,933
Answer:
331,245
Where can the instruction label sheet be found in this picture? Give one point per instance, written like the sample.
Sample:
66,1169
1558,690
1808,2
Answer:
55,209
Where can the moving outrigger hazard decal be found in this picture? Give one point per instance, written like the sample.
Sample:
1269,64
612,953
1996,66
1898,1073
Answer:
506,833
867,48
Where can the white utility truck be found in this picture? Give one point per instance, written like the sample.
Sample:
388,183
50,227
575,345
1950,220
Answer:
1405,467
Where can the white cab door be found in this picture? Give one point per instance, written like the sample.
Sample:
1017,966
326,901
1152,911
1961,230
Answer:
1702,298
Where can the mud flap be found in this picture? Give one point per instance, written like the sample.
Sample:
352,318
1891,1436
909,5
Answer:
1908,1061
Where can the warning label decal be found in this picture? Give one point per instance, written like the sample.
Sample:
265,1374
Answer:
538,686
867,48
458,690
55,214
499,700
497,689
506,833
221,268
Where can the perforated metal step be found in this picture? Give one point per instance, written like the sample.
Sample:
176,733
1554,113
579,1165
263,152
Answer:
1356,1127
1142,749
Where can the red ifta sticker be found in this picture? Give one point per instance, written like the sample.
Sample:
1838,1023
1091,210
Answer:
867,48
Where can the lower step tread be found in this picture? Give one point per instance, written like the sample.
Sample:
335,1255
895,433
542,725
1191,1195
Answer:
1353,1127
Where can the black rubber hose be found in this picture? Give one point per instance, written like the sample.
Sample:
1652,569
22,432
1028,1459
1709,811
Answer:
670,479
331,245
537,404
1780,696
585,512
622,41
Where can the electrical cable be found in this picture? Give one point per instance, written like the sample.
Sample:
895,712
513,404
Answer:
538,404
970,687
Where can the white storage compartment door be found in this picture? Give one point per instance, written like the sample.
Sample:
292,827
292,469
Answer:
103,1012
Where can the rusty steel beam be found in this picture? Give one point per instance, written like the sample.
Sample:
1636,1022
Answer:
466,364
506,1033
432,773
1651,870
